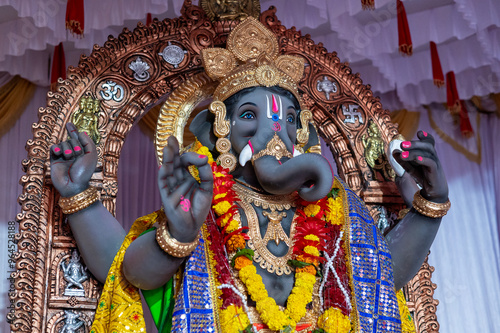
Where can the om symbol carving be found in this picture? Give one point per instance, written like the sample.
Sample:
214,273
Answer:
276,127
112,91
185,204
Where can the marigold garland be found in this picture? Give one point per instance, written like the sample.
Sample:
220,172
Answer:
233,319
309,241
334,321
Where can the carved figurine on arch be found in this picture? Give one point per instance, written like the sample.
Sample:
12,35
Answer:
216,227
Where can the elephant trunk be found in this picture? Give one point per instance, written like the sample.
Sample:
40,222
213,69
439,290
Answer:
309,174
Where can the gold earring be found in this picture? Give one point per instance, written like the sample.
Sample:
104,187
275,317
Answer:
221,130
303,133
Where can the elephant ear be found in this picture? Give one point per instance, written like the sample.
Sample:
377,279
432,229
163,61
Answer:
202,128
313,138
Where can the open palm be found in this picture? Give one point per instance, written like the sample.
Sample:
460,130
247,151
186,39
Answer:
186,202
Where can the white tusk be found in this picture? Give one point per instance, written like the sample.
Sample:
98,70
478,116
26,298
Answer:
245,155
395,145
296,152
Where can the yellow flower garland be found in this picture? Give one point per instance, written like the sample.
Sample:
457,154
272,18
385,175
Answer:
334,321
234,319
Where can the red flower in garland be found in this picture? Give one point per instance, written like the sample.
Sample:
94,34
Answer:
309,226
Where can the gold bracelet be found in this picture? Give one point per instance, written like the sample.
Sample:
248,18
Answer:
171,245
429,208
79,201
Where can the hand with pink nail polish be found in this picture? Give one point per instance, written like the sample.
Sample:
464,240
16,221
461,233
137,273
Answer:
72,162
420,160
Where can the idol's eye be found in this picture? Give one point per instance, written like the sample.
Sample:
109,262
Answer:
248,115
290,118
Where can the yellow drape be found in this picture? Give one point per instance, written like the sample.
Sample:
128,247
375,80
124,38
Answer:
14,97
408,122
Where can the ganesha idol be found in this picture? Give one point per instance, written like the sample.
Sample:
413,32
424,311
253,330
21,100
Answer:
255,233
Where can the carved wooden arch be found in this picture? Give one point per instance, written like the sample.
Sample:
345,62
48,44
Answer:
43,238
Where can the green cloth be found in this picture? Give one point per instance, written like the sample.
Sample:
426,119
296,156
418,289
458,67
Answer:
161,305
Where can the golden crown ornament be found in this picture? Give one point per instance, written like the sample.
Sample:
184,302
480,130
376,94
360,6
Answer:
251,59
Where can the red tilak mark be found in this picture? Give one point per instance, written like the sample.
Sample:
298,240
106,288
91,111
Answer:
420,158
87,152
276,127
68,151
279,162
85,133
201,156
406,144
424,133
405,154
57,149
74,131
77,148
250,144
275,105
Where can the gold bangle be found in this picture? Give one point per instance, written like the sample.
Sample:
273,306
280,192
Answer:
429,208
171,245
79,201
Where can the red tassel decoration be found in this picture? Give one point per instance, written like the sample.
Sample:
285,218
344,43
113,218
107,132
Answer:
368,4
75,17
58,66
437,71
452,98
465,125
405,45
149,20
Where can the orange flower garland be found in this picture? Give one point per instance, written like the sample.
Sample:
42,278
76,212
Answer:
309,241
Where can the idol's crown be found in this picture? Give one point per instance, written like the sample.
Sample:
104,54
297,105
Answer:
251,59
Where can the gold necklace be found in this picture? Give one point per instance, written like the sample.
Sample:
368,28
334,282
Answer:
276,203
248,185
272,202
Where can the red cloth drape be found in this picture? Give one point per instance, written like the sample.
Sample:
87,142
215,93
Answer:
405,44
368,4
456,106
465,125
149,19
437,70
75,17
58,66
452,98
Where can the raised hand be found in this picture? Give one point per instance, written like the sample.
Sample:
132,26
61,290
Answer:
186,202
420,160
72,162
